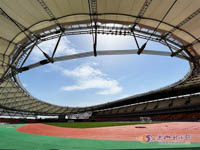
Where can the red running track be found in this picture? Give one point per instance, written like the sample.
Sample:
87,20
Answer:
122,133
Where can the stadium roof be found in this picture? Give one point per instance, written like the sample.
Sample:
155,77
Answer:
24,24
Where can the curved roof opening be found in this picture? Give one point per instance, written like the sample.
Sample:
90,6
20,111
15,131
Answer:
96,80
28,23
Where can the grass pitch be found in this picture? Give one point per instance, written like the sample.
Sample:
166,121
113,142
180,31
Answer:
92,124
14,140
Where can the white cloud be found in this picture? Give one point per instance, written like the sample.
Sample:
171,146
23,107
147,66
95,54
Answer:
88,77
86,71
64,48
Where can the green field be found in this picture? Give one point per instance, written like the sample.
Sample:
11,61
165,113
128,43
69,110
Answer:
92,124
14,140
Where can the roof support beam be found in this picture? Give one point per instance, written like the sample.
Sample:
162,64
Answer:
2,12
143,10
5,93
2,38
88,54
190,17
102,29
23,31
95,40
49,12
34,107
61,110
56,110
92,4
141,49
141,13
18,101
19,106
45,107
16,97
56,45
132,30
180,50
28,54
155,29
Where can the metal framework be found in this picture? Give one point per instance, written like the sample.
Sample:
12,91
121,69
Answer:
13,96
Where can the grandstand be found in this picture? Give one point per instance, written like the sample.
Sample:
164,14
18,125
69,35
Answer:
168,108
26,24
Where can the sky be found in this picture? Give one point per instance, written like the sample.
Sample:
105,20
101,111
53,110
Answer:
96,80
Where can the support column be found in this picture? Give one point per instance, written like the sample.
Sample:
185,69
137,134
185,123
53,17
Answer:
61,117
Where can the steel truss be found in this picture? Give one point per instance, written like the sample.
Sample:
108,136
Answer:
95,27
103,29
94,15
140,32
5,112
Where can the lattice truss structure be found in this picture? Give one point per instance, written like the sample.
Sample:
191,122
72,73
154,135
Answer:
26,23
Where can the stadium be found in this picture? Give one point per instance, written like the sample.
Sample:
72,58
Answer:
165,118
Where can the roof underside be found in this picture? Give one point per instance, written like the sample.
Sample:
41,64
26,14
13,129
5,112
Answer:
24,22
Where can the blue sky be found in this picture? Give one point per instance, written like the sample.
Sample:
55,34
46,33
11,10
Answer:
96,80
